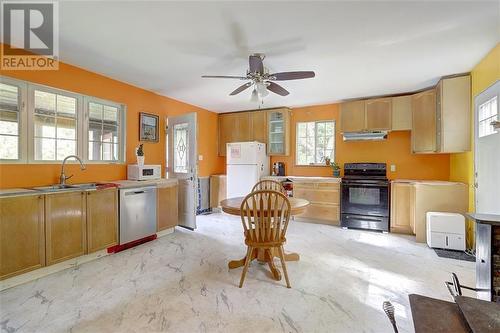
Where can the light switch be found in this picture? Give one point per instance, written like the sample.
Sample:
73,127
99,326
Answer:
200,157
393,167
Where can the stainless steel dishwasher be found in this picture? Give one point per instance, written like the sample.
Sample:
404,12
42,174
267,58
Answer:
137,213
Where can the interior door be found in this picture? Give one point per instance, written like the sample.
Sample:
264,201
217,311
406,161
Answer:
487,150
181,164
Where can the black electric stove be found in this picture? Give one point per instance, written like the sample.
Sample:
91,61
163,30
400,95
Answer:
365,197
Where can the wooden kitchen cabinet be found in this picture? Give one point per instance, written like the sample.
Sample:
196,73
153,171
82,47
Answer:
352,116
65,226
366,115
167,206
217,190
378,114
102,219
22,236
278,138
401,113
423,133
259,126
233,127
324,201
441,117
402,206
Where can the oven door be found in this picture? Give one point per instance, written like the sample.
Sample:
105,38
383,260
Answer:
365,198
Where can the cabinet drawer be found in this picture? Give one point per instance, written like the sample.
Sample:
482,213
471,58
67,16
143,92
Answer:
329,213
326,196
322,186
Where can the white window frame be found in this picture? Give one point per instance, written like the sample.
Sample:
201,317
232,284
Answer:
26,123
23,121
315,138
31,123
122,111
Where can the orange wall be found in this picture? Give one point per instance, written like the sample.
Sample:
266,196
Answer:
137,100
395,150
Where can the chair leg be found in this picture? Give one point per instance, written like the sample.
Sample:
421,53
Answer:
247,263
281,252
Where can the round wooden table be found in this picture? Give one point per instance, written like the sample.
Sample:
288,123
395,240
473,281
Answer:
232,206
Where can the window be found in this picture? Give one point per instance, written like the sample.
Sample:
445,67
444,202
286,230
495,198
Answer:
39,124
103,131
488,113
181,147
54,125
315,142
10,110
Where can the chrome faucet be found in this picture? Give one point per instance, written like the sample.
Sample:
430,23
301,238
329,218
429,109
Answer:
63,178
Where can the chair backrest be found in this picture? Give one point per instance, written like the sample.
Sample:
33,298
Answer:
268,184
265,216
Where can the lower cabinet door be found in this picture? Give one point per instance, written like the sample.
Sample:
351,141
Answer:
167,207
65,226
22,238
102,219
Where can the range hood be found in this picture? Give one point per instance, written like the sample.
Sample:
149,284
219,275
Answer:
365,136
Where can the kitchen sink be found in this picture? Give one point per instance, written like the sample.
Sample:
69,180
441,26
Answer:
58,187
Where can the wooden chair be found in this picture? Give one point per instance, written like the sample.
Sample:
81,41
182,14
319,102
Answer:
265,216
268,184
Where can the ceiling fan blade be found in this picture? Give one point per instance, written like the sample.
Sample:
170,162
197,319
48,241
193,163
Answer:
224,77
277,89
241,88
283,76
256,65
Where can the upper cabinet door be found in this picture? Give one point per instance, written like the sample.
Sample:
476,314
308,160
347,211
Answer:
352,116
401,113
259,126
278,139
379,114
423,134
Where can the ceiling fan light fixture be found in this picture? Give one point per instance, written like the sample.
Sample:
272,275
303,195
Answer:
255,96
261,89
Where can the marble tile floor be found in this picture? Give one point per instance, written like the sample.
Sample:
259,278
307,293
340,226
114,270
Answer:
181,283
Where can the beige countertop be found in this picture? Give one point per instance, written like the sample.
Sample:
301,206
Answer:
425,182
139,183
305,179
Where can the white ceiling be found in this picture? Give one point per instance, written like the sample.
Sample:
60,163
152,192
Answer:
356,48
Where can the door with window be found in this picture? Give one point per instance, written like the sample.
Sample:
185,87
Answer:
181,164
487,150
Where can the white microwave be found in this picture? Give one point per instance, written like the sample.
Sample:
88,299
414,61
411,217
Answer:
143,172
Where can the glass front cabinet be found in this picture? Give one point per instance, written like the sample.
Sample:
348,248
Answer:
278,135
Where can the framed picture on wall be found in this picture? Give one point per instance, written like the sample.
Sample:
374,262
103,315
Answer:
148,127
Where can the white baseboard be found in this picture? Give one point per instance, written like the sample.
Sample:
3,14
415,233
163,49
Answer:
165,232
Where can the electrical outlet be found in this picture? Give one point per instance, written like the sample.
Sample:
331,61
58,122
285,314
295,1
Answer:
393,167
200,157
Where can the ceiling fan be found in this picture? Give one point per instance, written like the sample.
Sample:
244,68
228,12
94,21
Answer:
259,77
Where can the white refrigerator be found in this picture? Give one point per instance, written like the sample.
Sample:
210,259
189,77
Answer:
246,162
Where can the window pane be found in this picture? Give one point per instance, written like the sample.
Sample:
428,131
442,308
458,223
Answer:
329,128
107,151
45,149
66,106
45,126
301,130
45,103
95,131
116,151
180,148
94,151
320,129
488,112
66,128
9,123
109,132
310,129
330,142
9,97
65,148
9,147
110,114
95,111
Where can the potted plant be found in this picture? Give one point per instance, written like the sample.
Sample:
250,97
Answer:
335,168
327,161
139,152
